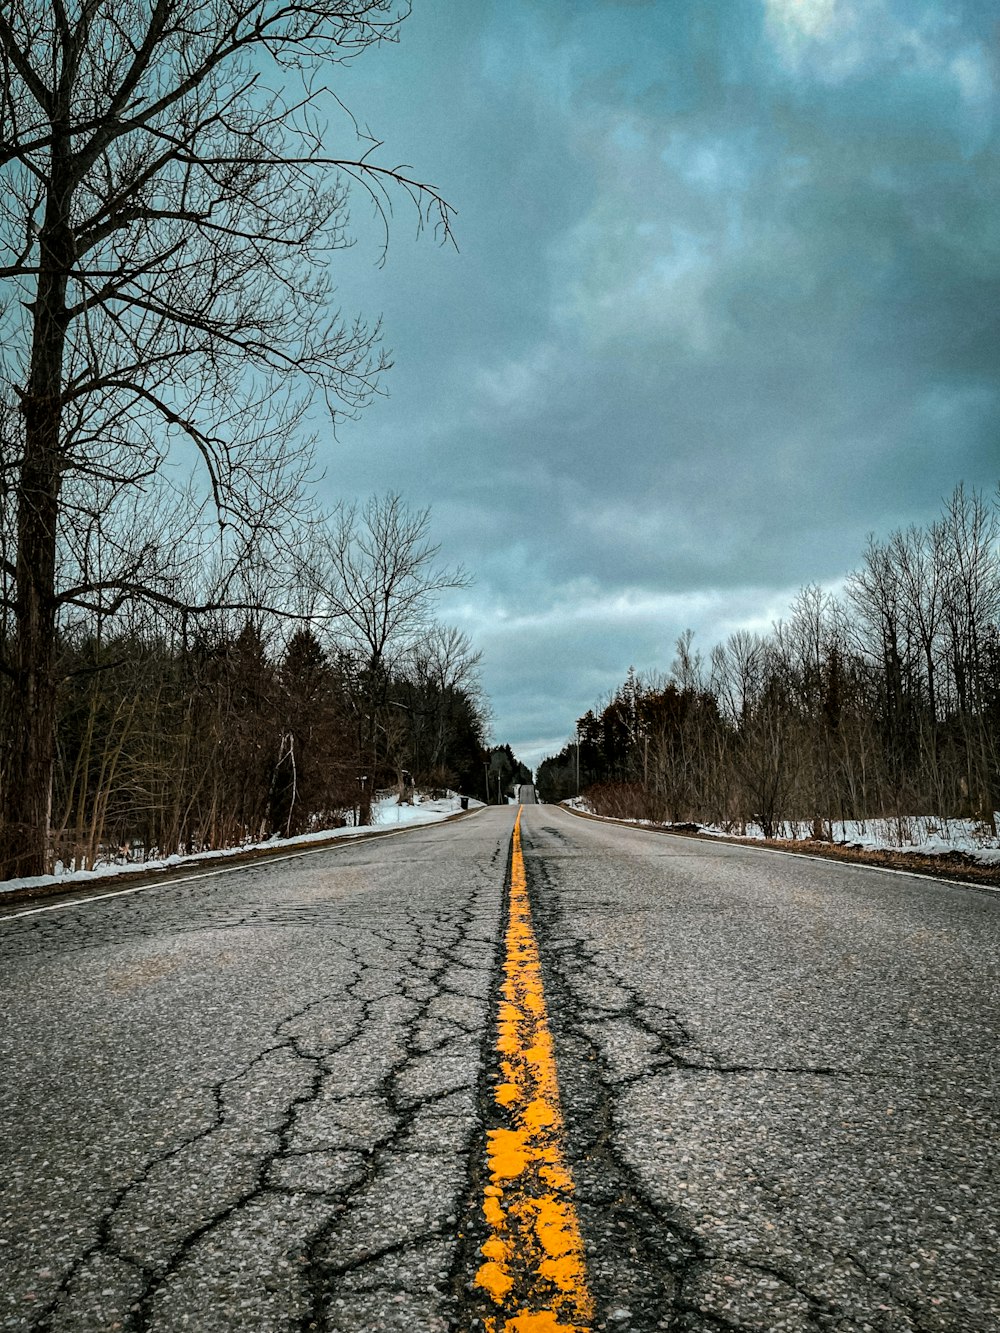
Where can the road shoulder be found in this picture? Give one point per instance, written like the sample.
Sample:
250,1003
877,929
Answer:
951,867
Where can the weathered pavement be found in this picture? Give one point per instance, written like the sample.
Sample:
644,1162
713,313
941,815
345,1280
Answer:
780,1081
259,1101
248,1102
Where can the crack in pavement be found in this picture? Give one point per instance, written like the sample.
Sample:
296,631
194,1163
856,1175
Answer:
317,1161
649,1265
404,1105
332,1161
524,1259
155,1273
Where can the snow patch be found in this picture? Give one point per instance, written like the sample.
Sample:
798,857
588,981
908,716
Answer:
920,835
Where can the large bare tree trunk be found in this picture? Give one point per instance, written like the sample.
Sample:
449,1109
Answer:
27,793
28,775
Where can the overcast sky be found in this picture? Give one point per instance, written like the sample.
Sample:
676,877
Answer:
726,301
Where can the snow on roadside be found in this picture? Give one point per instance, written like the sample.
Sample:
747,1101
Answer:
918,835
385,814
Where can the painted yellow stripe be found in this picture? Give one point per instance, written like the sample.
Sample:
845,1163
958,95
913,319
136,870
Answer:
533,1267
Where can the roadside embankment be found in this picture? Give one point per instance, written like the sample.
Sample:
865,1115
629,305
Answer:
955,863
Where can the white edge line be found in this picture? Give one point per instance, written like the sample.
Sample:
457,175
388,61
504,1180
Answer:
708,840
226,870
861,865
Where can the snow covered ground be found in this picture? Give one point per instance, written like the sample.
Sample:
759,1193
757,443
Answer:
922,835
386,813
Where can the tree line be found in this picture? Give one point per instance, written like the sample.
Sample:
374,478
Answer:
882,701
173,194
186,732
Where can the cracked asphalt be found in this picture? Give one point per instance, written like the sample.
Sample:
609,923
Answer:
248,1102
259,1101
780,1082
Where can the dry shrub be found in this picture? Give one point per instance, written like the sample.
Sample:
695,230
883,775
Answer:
625,800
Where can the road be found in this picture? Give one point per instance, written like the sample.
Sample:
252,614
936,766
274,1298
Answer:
271,1099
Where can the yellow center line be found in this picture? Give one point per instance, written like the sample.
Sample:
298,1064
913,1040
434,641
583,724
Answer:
533,1267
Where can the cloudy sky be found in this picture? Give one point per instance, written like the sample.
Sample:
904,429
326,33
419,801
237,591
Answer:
726,301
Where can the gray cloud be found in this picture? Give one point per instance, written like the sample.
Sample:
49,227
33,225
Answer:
727,299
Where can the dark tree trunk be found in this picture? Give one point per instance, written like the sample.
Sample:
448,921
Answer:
27,779
30,747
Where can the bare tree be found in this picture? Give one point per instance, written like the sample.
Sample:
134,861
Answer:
377,574
885,703
442,673
167,215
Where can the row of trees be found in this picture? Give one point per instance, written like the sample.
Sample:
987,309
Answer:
504,774
883,701
180,732
172,196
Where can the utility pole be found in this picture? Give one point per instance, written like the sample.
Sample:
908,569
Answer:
578,761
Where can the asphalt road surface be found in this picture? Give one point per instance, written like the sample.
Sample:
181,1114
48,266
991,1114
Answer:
260,1101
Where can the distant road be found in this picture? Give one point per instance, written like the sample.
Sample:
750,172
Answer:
526,795
260,1101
